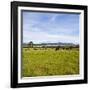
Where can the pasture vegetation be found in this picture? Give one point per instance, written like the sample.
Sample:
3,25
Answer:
48,62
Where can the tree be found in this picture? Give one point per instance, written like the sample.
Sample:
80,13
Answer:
30,44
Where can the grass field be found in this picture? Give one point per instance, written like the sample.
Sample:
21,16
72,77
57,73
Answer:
49,62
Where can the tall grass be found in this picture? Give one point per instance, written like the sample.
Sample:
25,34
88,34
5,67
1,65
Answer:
49,62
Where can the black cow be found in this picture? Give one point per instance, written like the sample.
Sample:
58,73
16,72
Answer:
57,48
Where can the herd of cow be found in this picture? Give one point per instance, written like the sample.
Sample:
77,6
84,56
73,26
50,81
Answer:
66,48
56,48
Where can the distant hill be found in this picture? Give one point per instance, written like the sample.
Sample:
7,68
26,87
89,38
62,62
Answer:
50,44
59,44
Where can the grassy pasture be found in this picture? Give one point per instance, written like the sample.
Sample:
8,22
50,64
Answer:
48,62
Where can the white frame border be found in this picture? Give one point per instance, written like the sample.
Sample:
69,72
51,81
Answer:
52,78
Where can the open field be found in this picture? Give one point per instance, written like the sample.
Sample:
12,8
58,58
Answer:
48,62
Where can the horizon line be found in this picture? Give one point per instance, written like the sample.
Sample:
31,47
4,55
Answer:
48,42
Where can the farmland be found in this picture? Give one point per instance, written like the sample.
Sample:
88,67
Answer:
48,62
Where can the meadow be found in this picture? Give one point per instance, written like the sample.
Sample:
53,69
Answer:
48,62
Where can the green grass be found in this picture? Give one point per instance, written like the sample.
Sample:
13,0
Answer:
49,62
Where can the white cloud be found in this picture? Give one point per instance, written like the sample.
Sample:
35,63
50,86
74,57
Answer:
50,28
38,37
53,17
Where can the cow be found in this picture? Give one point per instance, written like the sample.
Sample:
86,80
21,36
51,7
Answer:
57,48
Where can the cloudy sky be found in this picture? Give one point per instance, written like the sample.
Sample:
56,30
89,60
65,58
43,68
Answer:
42,27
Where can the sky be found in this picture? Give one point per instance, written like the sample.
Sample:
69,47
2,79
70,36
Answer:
41,27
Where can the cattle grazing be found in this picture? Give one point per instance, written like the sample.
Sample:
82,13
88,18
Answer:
35,48
57,48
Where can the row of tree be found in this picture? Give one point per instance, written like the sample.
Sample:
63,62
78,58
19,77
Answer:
31,45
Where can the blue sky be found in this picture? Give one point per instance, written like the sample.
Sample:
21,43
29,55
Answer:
50,27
